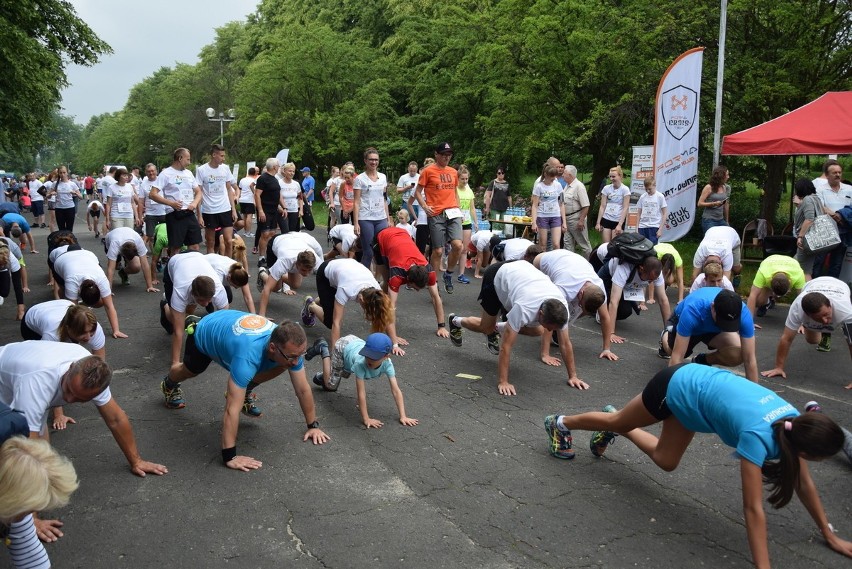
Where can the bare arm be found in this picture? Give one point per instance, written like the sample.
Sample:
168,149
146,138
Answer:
807,492
755,517
117,422
784,344
112,316
305,395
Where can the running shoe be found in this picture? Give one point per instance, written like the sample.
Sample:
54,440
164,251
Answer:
825,343
448,283
124,279
494,343
319,348
260,282
318,379
602,439
813,407
463,279
174,397
249,407
661,351
191,321
554,339
560,442
771,304
261,261
455,331
761,310
736,281
308,318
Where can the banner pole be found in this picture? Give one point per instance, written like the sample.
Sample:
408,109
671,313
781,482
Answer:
720,80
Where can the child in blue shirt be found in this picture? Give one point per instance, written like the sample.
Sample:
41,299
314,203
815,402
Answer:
366,360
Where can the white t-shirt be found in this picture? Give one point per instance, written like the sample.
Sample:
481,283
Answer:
349,277
33,186
345,232
372,196
837,293
515,249
408,227
56,253
222,265
614,201
549,198
76,266
214,189
336,181
522,289
621,272
702,278
482,239
33,387
720,241
44,319
177,185
91,207
183,269
652,210
835,200
247,190
121,206
48,187
152,208
118,237
104,184
406,180
602,251
64,197
569,272
290,192
287,247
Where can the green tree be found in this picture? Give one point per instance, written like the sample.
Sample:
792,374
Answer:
40,38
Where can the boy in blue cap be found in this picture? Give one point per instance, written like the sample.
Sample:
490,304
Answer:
366,360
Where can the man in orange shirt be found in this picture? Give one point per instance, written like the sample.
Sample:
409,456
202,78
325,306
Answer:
439,182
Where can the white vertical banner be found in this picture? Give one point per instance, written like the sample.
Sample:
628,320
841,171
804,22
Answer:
641,167
676,140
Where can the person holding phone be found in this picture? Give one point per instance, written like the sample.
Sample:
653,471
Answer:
714,199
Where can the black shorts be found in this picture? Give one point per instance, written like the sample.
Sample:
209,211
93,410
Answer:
271,223
326,294
182,228
217,220
488,299
654,394
608,224
95,213
151,222
246,208
194,359
693,340
28,333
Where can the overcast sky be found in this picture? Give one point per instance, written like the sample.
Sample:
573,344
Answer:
155,33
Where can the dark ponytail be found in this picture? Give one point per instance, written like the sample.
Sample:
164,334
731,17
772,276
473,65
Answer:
813,435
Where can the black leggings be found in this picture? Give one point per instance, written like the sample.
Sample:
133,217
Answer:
65,218
8,281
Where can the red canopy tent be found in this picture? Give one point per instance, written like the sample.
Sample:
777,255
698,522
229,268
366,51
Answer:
823,126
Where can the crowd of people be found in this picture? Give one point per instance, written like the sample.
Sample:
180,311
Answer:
527,288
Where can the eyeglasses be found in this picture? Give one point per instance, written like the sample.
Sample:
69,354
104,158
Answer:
289,358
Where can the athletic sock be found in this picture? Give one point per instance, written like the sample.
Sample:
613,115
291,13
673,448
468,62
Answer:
457,320
250,387
171,384
562,428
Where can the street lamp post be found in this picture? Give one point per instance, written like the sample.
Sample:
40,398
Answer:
221,119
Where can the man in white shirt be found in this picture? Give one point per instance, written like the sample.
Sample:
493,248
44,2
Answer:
218,197
834,195
38,375
406,186
177,189
533,306
246,199
124,243
152,212
576,200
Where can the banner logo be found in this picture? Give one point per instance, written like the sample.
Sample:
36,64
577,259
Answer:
679,115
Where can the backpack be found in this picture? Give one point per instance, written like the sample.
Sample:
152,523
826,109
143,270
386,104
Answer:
629,248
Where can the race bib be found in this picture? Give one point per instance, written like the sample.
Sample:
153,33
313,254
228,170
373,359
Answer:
123,207
186,196
634,292
613,210
453,213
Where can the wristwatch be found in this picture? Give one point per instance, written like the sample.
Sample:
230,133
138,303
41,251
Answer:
314,425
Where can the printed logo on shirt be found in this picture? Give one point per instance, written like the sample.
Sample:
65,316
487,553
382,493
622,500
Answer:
252,324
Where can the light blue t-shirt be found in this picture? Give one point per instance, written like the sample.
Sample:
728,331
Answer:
237,341
711,400
695,318
355,363
10,218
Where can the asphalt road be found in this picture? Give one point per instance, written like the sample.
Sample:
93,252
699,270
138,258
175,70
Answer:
471,486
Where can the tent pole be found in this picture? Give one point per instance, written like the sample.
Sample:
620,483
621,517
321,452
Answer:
720,79
792,188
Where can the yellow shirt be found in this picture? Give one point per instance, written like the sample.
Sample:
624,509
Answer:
665,248
779,264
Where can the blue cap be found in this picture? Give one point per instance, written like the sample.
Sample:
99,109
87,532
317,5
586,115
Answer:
305,169
377,346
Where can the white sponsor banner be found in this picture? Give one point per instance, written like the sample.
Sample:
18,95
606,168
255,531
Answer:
282,156
642,167
676,141
250,165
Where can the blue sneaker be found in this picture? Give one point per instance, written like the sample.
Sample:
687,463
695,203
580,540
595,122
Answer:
463,279
173,397
560,442
250,409
448,283
308,318
602,439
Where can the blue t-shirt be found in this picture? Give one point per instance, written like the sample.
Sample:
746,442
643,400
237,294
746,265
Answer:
237,341
308,184
711,400
354,362
695,318
10,218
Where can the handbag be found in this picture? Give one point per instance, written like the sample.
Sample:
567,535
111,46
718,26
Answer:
822,235
308,217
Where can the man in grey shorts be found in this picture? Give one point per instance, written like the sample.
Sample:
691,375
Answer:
439,183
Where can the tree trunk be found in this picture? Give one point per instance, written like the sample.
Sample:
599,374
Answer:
773,186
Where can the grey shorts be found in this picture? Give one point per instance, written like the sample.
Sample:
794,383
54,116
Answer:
443,230
338,372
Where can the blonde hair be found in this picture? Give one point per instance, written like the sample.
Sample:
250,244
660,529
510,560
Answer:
77,321
33,477
289,165
378,309
428,161
618,170
402,216
712,269
4,256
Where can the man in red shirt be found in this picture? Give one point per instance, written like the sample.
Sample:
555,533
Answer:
400,263
439,183
89,186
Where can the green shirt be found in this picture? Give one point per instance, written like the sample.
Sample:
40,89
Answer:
779,264
666,248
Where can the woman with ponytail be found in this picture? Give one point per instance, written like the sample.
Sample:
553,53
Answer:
773,441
